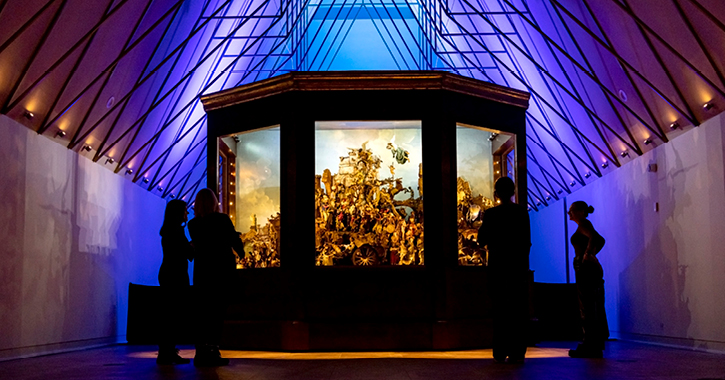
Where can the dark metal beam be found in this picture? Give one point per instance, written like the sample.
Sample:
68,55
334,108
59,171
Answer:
31,59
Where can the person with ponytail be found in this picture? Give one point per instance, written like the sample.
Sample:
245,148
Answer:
587,243
215,240
173,279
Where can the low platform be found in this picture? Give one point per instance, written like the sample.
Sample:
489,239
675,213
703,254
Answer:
364,309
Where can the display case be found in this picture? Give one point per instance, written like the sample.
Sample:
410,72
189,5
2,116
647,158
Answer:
359,196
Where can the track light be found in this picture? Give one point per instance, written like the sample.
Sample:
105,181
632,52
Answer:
86,148
605,165
28,115
493,136
708,106
61,133
674,125
548,197
560,191
587,175
172,196
647,141
129,171
145,180
159,188
572,183
624,153
538,202
110,160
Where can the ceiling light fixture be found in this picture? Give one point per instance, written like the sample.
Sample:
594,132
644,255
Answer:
61,133
87,148
159,188
572,183
624,153
587,175
605,164
708,106
28,115
110,160
129,171
145,180
647,141
674,125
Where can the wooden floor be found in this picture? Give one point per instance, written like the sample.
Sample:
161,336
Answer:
623,360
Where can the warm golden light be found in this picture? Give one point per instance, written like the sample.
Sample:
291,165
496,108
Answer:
531,353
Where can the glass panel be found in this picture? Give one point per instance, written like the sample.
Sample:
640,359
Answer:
257,196
368,181
482,155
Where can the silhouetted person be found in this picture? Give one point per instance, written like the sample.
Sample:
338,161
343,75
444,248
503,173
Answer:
213,236
589,283
174,279
506,232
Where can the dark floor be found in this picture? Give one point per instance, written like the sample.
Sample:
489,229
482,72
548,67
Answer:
623,360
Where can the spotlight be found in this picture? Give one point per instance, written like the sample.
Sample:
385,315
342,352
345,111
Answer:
538,203
647,141
110,160
28,115
172,196
145,180
572,183
493,136
548,197
129,171
528,207
624,153
159,188
61,133
708,106
560,191
587,175
605,165
86,148
674,125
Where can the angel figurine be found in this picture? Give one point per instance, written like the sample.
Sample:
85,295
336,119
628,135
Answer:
399,154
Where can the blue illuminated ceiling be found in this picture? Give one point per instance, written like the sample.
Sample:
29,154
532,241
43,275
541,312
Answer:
119,81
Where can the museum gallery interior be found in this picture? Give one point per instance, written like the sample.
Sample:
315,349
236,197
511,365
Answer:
404,113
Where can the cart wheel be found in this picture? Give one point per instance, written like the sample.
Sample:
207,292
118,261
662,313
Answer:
365,255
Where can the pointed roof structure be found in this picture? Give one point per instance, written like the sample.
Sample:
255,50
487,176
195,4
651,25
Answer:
120,81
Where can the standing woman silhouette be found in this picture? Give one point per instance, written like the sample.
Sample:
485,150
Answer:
173,279
589,282
213,237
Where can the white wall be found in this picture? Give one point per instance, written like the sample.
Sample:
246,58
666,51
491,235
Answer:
74,234
664,270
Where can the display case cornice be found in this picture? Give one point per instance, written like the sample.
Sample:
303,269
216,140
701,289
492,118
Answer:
365,81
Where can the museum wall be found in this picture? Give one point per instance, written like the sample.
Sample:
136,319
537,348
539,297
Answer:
74,234
664,267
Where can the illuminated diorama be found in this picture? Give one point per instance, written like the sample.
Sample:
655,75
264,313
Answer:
252,193
359,196
369,209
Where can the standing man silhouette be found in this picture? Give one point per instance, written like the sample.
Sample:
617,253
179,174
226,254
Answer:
507,234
